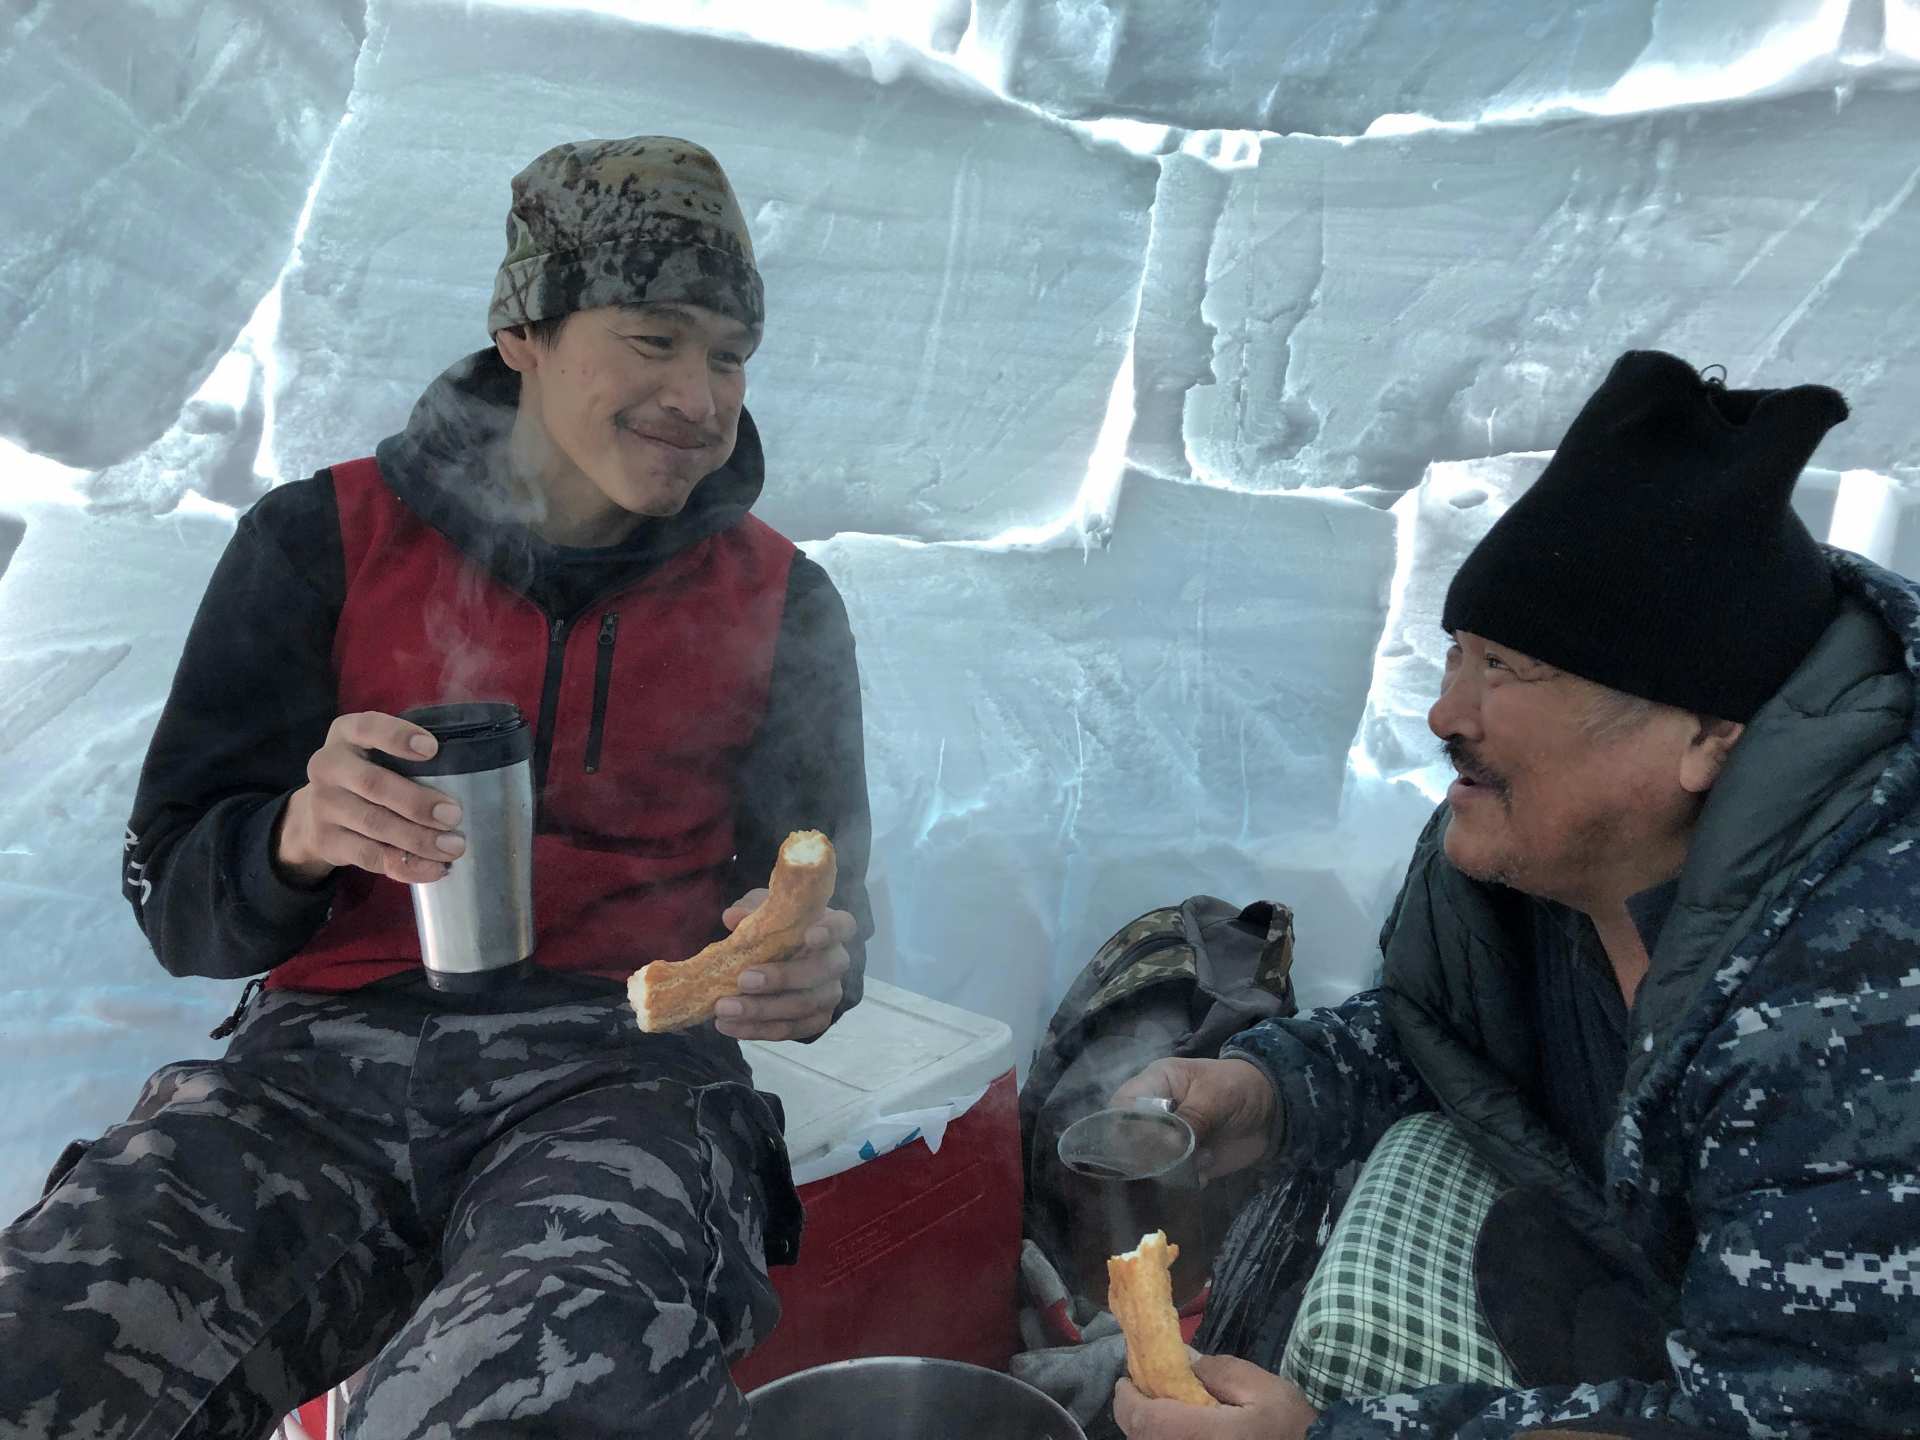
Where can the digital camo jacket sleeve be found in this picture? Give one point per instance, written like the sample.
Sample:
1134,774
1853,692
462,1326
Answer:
251,700
1339,1077
1790,1142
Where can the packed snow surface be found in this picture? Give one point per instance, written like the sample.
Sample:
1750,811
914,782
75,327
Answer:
1139,373
936,363
158,156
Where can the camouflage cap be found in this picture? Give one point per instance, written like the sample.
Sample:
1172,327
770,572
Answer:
622,222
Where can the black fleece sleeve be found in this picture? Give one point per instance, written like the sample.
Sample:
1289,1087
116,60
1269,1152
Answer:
807,768
251,701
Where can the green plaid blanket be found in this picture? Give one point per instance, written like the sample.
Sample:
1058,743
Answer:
1391,1306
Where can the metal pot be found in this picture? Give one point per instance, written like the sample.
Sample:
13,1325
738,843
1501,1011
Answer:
905,1397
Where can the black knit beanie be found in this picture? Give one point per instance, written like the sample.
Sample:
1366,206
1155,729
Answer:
1657,554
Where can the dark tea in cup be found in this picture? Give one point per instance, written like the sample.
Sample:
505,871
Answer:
1130,1172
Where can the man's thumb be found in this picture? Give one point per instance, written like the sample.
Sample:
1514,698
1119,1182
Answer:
1233,1380
1153,1083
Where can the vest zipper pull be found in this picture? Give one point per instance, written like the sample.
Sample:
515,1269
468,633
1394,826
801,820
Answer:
247,996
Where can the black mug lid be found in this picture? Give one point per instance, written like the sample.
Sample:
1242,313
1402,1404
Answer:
474,735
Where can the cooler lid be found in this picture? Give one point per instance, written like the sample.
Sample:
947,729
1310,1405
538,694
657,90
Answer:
894,1051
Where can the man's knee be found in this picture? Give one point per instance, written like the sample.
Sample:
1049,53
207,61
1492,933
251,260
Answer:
654,1194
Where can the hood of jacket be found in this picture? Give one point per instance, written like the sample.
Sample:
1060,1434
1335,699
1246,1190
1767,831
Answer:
449,466
1831,760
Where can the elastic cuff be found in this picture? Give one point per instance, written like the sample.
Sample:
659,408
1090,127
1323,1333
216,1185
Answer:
275,904
1277,1141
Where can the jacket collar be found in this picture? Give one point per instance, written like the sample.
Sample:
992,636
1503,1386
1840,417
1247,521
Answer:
448,467
1831,759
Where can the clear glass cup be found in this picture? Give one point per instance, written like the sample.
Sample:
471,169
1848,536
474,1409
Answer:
1129,1172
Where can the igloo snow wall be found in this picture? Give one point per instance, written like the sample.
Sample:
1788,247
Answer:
1138,380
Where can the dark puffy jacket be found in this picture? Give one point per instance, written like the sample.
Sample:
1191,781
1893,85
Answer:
1761,1174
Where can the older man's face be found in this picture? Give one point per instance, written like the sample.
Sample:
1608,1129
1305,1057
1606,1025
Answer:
1546,800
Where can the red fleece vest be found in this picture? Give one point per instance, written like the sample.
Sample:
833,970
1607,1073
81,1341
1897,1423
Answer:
631,845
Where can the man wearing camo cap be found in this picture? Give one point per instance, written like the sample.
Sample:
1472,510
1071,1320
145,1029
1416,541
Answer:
513,1208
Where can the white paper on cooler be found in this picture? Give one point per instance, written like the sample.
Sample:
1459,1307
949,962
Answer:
873,1136
951,278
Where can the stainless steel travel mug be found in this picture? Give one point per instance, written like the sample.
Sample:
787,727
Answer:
476,922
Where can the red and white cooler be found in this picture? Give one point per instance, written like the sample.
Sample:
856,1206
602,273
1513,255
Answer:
904,1129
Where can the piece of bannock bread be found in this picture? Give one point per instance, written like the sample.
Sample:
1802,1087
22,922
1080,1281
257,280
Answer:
674,994
1140,1294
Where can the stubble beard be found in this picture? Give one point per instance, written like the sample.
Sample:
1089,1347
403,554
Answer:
1501,870
1504,868
1581,856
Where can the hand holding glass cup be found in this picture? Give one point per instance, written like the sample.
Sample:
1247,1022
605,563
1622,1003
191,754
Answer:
1129,1170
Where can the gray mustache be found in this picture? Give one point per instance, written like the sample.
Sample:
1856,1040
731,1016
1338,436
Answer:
1463,760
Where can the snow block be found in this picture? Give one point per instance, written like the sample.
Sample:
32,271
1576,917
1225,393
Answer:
1386,303
1333,67
951,279
1044,728
1902,34
1173,345
95,610
1439,522
158,156
1878,516
210,450
12,531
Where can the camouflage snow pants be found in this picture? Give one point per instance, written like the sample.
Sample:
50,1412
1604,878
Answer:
531,1222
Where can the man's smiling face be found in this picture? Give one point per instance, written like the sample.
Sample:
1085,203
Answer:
641,403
